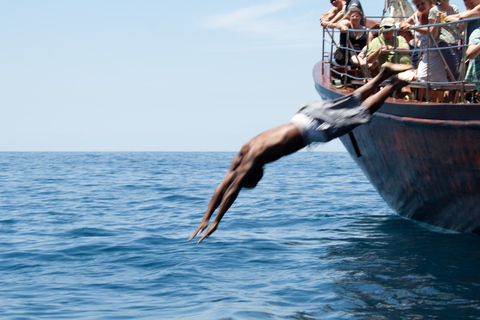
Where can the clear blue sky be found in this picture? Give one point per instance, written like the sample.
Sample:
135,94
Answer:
155,75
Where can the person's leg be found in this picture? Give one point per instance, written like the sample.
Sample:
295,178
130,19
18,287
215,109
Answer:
388,69
451,58
374,102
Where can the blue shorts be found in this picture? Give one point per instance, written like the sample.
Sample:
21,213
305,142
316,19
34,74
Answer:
323,121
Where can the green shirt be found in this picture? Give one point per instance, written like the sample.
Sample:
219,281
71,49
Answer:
389,56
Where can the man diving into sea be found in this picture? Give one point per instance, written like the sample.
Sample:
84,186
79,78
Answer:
320,121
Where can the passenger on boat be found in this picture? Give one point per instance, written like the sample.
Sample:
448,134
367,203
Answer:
334,15
420,17
356,40
383,48
408,35
372,65
315,122
473,51
351,4
446,37
354,4
362,56
373,34
473,10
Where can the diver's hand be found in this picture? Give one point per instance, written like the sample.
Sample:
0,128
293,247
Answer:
203,225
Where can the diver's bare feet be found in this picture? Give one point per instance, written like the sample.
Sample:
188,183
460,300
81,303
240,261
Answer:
398,84
390,69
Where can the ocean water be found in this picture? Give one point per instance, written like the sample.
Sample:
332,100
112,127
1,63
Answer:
104,236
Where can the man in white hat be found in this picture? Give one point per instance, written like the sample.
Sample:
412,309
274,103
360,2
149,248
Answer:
383,48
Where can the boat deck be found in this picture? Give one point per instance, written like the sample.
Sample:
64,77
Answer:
423,111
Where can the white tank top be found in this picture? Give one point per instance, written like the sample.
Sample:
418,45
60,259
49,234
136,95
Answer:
422,38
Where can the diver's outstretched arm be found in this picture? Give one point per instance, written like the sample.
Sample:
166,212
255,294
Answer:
219,193
217,197
229,197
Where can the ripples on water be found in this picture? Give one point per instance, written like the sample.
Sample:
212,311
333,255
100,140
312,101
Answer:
103,236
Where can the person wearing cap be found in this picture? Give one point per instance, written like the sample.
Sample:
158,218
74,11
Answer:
383,47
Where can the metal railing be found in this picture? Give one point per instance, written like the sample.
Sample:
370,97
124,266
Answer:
460,84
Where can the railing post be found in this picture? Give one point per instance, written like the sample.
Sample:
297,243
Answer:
427,90
323,51
346,54
464,54
429,46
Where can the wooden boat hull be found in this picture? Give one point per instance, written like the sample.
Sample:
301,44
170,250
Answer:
423,159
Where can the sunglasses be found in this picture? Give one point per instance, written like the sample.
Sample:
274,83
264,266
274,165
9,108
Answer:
332,1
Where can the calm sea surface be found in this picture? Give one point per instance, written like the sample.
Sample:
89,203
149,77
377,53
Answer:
104,236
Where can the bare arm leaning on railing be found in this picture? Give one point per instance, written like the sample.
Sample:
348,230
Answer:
335,14
473,51
469,13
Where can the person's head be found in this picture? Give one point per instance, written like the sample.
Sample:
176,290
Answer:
386,26
375,26
422,6
251,180
355,15
407,34
336,3
470,4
